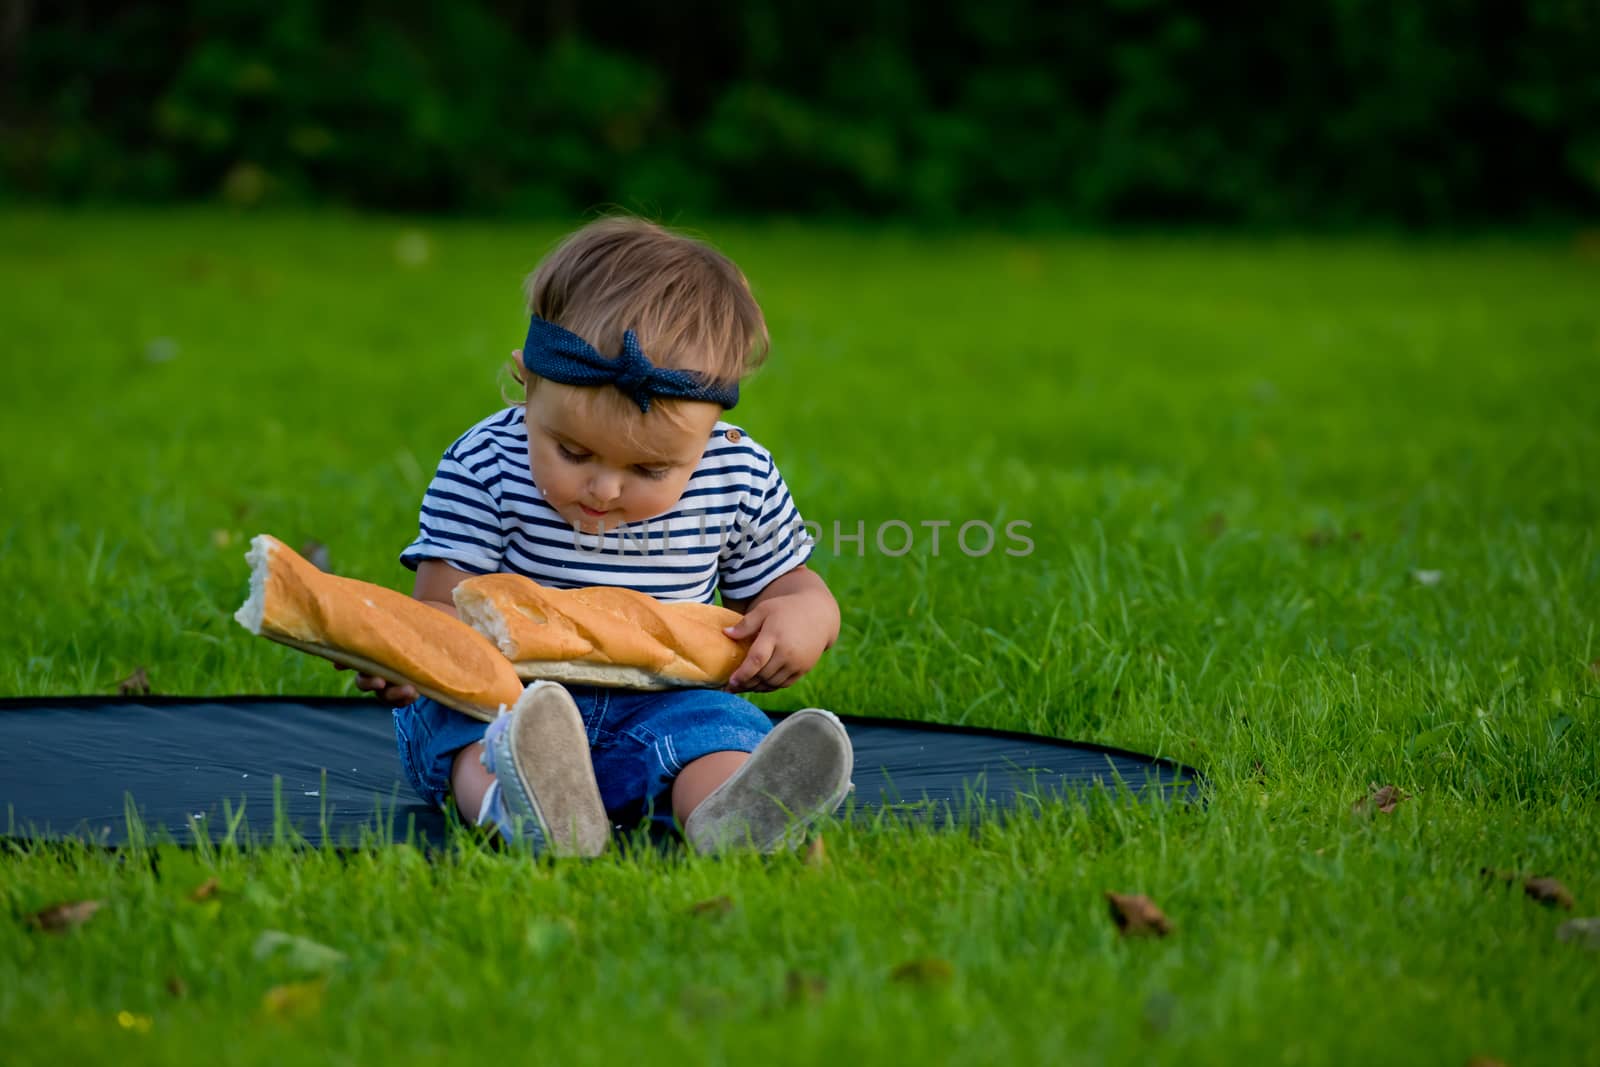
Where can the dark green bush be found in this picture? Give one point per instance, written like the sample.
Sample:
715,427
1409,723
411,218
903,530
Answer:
1334,112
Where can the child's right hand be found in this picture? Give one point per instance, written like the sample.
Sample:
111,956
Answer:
395,693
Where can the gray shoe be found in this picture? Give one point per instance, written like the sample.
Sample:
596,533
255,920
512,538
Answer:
547,796
799,773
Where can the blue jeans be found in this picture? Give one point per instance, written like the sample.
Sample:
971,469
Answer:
638,741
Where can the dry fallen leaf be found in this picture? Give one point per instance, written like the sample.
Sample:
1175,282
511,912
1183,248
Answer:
1380,798
300,953
1387,799
413,249
714,907
136,684
1584,933
205,890
929,970
294,999
545,936
1549,892
1137,915
135,1021
61,917
816,853
802,988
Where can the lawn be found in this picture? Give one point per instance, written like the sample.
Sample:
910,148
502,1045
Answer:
1313,515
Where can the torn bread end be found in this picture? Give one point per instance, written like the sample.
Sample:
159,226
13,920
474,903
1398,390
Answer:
254,609
479,612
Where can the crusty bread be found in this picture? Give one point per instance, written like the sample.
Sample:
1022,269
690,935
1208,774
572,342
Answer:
601,636
374,629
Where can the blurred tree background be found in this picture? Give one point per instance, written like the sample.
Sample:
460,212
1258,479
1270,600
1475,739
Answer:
1323,113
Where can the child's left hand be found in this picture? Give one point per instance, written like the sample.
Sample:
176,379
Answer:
791,635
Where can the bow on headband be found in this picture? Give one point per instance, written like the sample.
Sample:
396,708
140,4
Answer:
562,356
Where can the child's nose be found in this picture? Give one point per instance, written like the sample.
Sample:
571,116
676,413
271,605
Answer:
605,487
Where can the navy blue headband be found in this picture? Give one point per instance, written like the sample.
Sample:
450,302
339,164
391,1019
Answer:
563,356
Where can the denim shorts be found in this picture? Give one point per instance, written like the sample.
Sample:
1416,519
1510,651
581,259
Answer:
639,742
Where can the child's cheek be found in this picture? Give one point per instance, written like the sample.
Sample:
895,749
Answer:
548,481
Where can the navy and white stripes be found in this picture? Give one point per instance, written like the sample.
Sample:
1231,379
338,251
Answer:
735,525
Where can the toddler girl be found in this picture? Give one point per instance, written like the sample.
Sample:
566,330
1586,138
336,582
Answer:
616,469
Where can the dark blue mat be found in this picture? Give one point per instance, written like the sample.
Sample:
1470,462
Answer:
75,766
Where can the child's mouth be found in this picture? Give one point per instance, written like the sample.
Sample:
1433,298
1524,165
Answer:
591,512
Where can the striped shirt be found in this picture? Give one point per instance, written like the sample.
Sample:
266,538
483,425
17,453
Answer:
735,527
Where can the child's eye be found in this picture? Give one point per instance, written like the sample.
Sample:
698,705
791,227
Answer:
653,472
569,455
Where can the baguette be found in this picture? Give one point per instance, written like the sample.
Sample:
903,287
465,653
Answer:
374,629
599,635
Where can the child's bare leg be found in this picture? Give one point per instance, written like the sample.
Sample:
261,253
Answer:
469,781
696,781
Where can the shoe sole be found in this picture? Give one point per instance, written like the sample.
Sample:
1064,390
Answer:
549,751
749,807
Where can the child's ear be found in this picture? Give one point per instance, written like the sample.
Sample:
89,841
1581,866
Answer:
521,381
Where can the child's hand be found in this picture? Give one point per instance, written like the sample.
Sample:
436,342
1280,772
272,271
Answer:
791,634
395,693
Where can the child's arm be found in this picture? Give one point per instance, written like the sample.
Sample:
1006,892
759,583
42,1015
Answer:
435,580
794,621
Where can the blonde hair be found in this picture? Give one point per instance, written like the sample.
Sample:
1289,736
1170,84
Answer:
688,304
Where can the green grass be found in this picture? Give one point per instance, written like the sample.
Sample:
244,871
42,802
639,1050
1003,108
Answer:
1235,456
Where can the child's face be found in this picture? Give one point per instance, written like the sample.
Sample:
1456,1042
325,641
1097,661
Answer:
596,470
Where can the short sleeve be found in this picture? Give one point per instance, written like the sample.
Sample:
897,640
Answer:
770,539
460,521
